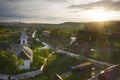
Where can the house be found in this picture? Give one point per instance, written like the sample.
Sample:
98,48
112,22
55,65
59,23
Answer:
46,34
22,50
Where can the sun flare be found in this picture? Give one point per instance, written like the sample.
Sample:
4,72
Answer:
100,14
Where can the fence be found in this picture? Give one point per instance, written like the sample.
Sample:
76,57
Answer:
20,76
25,75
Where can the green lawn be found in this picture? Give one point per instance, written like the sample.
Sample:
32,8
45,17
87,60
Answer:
57,64
82,75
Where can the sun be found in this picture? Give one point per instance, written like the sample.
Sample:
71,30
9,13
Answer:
100,14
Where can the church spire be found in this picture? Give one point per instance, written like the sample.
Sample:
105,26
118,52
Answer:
23,38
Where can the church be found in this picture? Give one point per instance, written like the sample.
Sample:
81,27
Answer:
23,51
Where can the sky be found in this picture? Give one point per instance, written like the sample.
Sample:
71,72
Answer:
57,11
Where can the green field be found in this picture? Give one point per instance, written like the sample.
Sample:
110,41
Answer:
58,64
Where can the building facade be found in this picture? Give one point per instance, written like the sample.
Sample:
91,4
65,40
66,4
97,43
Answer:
23,51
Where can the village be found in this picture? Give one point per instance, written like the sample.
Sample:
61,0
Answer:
40,54
59,39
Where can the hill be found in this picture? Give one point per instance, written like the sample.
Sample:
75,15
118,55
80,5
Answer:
110,26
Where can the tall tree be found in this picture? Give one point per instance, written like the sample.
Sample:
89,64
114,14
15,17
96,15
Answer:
9,63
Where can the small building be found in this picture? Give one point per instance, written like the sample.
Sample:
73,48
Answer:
22,50
46,34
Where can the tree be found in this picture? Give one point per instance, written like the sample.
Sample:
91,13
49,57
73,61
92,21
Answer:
14,37
60,36
86,36
115,57
9,63
39,57
55,34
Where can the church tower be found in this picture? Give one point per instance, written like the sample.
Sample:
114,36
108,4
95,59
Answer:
23,38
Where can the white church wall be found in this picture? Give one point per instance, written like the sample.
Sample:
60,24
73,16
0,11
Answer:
26,64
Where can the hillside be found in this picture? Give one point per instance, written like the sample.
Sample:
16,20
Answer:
110,26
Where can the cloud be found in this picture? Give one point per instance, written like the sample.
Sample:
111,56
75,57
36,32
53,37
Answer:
51,10
57,0
10,1
107,4
8,10
18,9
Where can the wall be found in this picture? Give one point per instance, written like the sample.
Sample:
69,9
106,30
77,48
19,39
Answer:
20,76
26,64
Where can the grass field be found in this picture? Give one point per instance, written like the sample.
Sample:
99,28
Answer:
58,64
5,33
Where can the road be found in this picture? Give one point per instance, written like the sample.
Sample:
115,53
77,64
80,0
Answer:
95,72
78,56
72,55
67,53
42,67
46,46
33,35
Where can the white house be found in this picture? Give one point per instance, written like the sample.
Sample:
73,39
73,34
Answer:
23,51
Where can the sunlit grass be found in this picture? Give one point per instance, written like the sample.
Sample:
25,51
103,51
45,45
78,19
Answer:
58,64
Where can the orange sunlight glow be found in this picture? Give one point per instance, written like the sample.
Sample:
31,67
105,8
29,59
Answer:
100,14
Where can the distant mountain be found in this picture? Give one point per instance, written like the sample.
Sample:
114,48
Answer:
17,24
110,26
